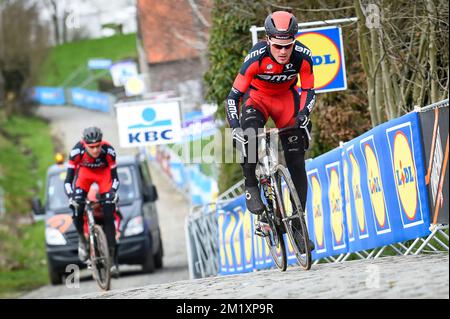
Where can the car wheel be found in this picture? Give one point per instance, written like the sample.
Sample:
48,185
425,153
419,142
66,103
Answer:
149,262
55,276
159,255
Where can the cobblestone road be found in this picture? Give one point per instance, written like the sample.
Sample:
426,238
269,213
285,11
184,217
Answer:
422,276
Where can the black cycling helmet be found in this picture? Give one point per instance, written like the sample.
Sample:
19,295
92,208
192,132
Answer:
92,135
281,25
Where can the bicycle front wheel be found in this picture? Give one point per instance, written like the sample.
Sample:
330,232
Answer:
277,248
100,259
293,217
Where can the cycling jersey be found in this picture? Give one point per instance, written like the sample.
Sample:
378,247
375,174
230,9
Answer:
260,72
87,170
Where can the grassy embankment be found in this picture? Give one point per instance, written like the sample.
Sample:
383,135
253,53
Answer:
26,151
70,59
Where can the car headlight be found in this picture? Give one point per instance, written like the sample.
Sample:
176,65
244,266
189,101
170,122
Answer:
135,226
54,237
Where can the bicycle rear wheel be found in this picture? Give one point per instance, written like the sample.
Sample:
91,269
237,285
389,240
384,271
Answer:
100,260
277,248
293,218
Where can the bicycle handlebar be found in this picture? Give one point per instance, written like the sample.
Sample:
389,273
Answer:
281,130
100,201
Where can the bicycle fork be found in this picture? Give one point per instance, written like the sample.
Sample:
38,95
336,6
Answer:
91,224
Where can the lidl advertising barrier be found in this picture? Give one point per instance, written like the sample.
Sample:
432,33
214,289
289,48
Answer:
368,193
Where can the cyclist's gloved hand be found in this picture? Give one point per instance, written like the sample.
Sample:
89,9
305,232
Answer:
111,195
72,201
302,121
239,139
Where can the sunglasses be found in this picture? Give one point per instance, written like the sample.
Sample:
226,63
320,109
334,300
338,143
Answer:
279,46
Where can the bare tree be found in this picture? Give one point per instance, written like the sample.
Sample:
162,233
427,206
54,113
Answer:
23,43
404,51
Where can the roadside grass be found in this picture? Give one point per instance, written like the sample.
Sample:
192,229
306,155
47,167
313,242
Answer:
24,258
26,151
66,59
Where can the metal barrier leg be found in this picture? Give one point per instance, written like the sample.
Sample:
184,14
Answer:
380,252
425,243
359,255
442,232
346,257
443,245
403,247
371,253
410,248
398,251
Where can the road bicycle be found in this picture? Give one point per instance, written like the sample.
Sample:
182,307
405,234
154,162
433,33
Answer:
99,259
283,210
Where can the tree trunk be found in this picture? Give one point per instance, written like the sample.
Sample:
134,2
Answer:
434,96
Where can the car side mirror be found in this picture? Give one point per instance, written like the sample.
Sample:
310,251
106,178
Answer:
152,194
36,205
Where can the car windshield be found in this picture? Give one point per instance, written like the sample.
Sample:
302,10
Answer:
57,199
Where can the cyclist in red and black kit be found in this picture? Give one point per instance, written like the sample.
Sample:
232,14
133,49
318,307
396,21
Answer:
266,86
93,160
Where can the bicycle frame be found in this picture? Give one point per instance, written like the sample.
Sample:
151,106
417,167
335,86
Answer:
269,170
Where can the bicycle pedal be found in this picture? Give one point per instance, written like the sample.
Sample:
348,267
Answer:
262,229
88,264
260,233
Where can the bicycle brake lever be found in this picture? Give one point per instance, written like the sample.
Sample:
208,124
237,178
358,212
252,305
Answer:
307,133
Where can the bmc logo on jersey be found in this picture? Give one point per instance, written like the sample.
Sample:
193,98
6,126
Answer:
277,78
325,47
254,53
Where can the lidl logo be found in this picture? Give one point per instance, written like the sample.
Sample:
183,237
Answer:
317,210
357,196
374,181
336,205
348,211
405,173
328,57
375,185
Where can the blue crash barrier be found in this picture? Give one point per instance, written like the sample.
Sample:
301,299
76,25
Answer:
48,95
92,100
368,193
